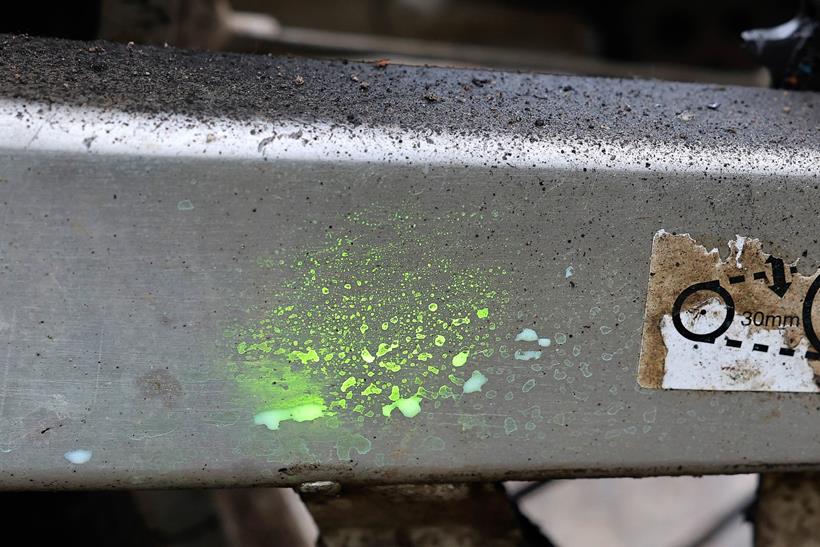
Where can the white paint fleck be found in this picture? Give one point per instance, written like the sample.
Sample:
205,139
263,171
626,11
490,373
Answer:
78,457
526,335
544,342
527,355
569,272
185,205
475,382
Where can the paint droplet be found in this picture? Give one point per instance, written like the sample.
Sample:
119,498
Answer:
527,355
544,342
528,385
605,329
410,407
483,313
569,272
460,359
561,338
526,335
355,443
432,307
185,205
302,413
367,356
78,457
439,341
476,381
433,443
509,425
347,384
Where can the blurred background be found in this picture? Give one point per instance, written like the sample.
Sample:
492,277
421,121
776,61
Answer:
697,41
649,512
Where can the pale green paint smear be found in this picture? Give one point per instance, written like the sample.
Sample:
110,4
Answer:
475,383
78,457
303,413
526,335
347,445
410,407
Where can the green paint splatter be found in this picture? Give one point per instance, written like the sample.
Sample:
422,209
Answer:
460,359
312,352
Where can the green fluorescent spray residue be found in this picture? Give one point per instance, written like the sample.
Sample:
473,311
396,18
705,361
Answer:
368,324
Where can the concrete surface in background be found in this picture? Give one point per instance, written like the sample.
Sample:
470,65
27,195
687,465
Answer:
650,512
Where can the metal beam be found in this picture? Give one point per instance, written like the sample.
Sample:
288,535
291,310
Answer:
197,249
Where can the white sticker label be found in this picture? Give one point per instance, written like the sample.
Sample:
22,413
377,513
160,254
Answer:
747,323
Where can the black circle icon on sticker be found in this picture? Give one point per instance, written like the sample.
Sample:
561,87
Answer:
713,286
808,303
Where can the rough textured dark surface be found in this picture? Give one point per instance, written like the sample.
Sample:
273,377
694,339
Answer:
203,85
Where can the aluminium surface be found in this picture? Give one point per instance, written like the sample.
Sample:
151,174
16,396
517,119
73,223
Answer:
190,242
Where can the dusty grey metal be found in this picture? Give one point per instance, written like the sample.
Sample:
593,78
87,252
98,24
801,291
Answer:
114,293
